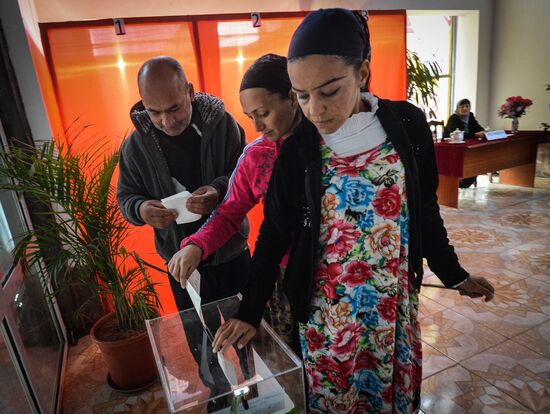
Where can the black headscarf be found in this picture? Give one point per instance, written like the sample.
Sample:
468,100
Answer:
269,72
338,32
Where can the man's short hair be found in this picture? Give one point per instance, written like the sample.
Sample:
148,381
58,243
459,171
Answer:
161,61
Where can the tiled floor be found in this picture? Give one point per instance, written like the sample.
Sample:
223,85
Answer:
478,357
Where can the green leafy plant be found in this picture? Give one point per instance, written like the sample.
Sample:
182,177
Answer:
422,82
79,236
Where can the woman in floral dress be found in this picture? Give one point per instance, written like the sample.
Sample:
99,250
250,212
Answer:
355,193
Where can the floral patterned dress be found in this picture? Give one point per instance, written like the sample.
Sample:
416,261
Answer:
361,344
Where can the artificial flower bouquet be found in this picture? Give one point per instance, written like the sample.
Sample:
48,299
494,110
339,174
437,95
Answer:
514,107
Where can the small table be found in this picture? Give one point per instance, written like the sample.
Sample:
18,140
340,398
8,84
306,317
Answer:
515,158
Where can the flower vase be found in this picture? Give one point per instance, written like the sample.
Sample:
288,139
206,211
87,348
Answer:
515,124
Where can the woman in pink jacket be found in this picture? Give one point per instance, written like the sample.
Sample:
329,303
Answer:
266,98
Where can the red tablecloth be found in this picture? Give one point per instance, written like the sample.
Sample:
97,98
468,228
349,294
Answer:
450,157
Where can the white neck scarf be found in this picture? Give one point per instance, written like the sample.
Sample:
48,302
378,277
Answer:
360,132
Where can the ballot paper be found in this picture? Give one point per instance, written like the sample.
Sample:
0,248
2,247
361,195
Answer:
228,369
178,202
193,287
499,134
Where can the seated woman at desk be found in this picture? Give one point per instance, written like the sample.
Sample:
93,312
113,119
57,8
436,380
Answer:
464,120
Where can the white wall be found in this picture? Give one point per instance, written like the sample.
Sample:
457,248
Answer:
466,64
521,59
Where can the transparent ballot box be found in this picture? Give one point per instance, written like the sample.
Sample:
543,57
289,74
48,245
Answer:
263,377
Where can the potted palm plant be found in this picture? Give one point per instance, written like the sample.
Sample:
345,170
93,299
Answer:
78,240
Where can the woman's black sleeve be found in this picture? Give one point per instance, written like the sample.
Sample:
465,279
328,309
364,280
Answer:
436,247
273,241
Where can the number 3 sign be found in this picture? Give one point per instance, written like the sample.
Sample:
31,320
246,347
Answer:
256,20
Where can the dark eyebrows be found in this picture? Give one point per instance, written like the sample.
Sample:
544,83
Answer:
155,111
260,108
322,85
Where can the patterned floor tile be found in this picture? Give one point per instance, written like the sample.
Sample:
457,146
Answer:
521,373
531,259
502,315
529,292
542,278
521,219
86,389
456,336
541,204
457,391
471,260
537,339
433,361
482,238
427,307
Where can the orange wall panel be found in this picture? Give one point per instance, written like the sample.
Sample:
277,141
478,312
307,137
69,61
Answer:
388,62
95,73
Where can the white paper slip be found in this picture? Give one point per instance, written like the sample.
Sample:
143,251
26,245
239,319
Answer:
499,134
193,288
228,369
178,202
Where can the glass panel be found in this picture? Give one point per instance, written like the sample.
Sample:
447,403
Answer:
12,223
265,372
444,93
430,38
12,395
11,228
37,339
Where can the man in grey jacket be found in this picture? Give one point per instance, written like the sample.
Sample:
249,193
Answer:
182,140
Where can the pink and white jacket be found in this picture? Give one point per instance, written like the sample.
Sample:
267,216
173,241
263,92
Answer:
247,186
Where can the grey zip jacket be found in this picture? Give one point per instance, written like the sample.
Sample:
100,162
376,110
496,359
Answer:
144,173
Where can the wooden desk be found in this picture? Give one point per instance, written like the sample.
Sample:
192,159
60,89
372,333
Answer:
514,157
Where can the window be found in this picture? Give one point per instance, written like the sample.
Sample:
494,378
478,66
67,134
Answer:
431,38
12,224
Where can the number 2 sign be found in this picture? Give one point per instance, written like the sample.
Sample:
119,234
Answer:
256,19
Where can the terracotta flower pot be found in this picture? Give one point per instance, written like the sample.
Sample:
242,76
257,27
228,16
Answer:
130,361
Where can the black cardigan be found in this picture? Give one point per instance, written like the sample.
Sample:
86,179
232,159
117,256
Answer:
455,122
293,205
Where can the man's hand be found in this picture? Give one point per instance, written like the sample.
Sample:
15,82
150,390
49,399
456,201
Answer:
232,331
156,215
203,200
480,134
184,262
477,287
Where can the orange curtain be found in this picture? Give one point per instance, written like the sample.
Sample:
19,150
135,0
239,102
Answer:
95,74
95,77
389,47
